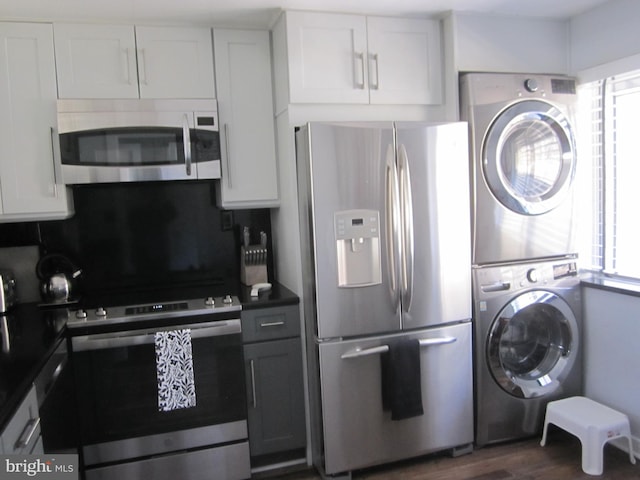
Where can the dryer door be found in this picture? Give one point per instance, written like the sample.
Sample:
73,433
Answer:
532,344
529,157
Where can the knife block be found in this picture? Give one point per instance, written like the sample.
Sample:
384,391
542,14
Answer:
253,265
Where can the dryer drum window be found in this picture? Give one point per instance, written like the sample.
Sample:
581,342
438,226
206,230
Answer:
532,344
529,157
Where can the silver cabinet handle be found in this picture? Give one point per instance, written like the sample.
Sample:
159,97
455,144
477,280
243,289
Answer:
406,218
227,161
375,85
392,215
272,324
125,67
142,66
253,384
55,155
186,144
359,58
27,434
426,342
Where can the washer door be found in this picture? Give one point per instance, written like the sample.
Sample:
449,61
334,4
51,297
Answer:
529,157
532,344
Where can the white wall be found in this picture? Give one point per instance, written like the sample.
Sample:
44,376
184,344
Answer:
609,33
612,360
492,43
603,42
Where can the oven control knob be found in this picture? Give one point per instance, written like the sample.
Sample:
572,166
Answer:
227,300
101,312
209,302
532,275
81,315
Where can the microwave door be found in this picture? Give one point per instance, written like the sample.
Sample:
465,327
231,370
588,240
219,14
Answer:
110,141
150,146
131,157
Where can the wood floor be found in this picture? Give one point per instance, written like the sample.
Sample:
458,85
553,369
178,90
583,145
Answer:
521,460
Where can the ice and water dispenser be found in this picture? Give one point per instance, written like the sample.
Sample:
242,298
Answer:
358,245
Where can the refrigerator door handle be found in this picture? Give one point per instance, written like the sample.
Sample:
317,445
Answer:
392,227
408,246
426,342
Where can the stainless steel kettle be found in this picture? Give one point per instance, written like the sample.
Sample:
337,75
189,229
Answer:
57,275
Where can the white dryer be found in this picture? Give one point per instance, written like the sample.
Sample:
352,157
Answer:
523,164
527,341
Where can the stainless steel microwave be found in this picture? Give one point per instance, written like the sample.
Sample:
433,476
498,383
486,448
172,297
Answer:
112,141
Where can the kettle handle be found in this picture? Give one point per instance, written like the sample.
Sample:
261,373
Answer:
46,266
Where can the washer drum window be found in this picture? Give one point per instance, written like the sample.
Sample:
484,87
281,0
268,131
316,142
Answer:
532,344
529,157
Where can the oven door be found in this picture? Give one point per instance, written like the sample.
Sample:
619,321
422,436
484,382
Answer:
119,402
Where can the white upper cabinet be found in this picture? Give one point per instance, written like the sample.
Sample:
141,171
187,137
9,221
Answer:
327,58
30,181
336,58
405,61
245,108
96,61
107,61
175,62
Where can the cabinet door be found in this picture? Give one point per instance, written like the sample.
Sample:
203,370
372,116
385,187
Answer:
275,395
96,61
29,180
245,106
175,62
404,60
327,58
22,433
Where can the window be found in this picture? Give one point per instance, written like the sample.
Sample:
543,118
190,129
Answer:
609,130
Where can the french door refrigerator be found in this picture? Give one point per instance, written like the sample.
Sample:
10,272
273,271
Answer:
384,210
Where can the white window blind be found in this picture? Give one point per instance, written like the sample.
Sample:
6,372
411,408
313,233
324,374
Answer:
613,116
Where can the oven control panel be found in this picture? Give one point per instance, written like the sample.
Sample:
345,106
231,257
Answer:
153,311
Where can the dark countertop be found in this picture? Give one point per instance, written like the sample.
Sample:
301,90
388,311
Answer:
33,334
278,296
602,282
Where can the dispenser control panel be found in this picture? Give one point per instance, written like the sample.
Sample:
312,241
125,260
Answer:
357,224
357,234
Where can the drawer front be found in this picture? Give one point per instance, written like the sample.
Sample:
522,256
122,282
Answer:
22,433
270,323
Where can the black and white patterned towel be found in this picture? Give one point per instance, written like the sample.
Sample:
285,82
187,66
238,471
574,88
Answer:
174,362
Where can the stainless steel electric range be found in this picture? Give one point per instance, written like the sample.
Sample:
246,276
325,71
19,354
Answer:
160,388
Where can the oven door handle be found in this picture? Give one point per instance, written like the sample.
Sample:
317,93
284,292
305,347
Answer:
142,337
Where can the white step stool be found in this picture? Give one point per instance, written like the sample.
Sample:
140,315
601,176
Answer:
593,423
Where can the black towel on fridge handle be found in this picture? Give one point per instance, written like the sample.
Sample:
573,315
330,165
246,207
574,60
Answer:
402,379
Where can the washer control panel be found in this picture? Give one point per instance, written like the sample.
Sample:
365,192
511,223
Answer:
509,277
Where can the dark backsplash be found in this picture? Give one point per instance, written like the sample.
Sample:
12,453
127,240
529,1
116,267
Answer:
146,235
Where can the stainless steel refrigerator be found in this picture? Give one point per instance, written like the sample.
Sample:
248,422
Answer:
384,210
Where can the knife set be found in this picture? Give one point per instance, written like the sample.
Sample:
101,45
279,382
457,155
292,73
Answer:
253,259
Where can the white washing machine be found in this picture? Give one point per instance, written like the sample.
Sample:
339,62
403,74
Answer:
523,165
527,342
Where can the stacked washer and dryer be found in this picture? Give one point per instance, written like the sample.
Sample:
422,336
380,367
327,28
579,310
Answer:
527,308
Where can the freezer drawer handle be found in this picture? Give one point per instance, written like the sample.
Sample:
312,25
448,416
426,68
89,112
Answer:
385,348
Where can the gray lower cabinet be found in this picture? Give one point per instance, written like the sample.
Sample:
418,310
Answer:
21,436
275,391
